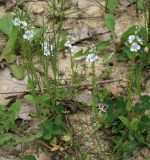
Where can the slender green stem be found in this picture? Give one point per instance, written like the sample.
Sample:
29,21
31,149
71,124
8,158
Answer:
94,109
131,81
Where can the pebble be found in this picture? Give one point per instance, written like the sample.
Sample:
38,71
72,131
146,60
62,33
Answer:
126,3
39,21
37,8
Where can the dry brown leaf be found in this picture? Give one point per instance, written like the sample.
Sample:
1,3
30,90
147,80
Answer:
114,89
66,138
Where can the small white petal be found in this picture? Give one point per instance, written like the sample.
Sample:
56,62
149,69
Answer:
23,24
132,49
28,35
25,37
68,44
74,49
91,58
140,40
48,48
16,22
46,52
131,38
135,47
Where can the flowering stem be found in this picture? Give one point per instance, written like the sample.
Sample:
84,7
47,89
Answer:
131,80
149,21
56,37
72,67
94,105
32,76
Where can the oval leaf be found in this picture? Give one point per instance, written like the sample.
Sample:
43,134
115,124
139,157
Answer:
124,120
16,71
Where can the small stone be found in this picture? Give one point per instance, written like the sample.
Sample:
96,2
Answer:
145,151
43,156
126,3
2,42
10,5
38,8
2,11
40,21
18,147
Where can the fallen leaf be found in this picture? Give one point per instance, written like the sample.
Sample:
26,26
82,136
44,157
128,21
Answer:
114,89
66,138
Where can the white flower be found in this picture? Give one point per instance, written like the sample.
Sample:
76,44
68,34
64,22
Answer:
69,41
48,49
23,24
46,52
91,58
135,47
131,38
102,108
74,49
45,45
28,35
16,22
68,44
140,40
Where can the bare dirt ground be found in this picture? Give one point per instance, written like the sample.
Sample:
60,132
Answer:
87,27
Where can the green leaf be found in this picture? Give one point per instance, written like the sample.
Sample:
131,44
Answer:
47,135
128,106
80,54
57,131
134,124
30,157
29,98
143,106
15,107
5,137
145,119
58,120
47,128
112,5
126,147
116,139
129,54
143,33
8,52
27,138
131,134
144,123
6,24
37,32
39,134
110,22
47,125
16,71
120,105
138,76
141,5
43,99
102,45
124,120
10,58
111,114
129,32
